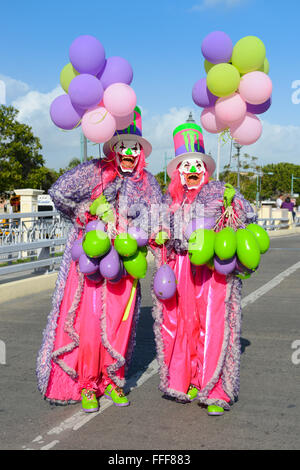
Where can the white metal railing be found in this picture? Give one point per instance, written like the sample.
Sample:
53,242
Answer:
276,223
31,241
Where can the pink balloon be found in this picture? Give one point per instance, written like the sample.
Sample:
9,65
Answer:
98,125
119,99
255,87
210,122
125,121
231,108
247,131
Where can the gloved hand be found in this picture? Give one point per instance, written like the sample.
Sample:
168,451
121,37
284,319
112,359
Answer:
228,195
161,238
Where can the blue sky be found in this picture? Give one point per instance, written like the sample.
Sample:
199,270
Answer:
162,41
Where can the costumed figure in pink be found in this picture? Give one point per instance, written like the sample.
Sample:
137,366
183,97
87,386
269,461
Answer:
90,333
197,303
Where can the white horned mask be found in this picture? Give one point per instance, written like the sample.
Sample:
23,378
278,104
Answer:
192,172
127,154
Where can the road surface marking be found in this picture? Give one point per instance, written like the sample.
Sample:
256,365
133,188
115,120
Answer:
79,419
269,285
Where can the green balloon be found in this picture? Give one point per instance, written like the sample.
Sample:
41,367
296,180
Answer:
223,80
136,265
262,237
66,76
161,238
210,264
143,250
225,243
126,245
248,251
265,67
96,243
248,54
201,246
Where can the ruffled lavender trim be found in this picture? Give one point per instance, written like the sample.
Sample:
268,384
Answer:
44,366
70,330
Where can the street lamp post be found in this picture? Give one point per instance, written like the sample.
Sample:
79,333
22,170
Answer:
83,146
292,184
238,148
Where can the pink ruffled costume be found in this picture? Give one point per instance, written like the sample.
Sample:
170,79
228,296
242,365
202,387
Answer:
198,330
86,344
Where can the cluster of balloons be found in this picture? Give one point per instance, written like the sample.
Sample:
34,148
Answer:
237,86
98,94
229,250
98,258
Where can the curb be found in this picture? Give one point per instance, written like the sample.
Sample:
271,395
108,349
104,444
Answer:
24,287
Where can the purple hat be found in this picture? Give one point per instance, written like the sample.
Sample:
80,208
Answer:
134,130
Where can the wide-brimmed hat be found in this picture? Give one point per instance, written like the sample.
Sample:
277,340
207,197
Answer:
188,143
132,131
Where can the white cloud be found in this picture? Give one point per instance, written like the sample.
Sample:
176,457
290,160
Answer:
13,88
206,4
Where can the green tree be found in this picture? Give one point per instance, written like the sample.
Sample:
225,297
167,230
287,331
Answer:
161,180
20,150
280,181
248,169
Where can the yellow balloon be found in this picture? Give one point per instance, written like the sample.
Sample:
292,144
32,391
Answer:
248,54
208,65
66,76
265,67
223,80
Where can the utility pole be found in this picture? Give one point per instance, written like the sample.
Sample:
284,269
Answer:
238,148
83,148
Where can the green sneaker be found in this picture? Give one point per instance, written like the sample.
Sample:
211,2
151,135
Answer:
89,401
214,410
116,395
192,392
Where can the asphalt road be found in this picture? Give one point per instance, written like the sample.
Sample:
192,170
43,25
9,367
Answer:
266,416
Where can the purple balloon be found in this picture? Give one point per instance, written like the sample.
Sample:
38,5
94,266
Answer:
117,70
95,277
201,94
109,265
85,91
259,108
199,222
241,268
88,265
64,114
217,47
120,274
164,283
139,234
87,54
95,225
226,266
77,250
